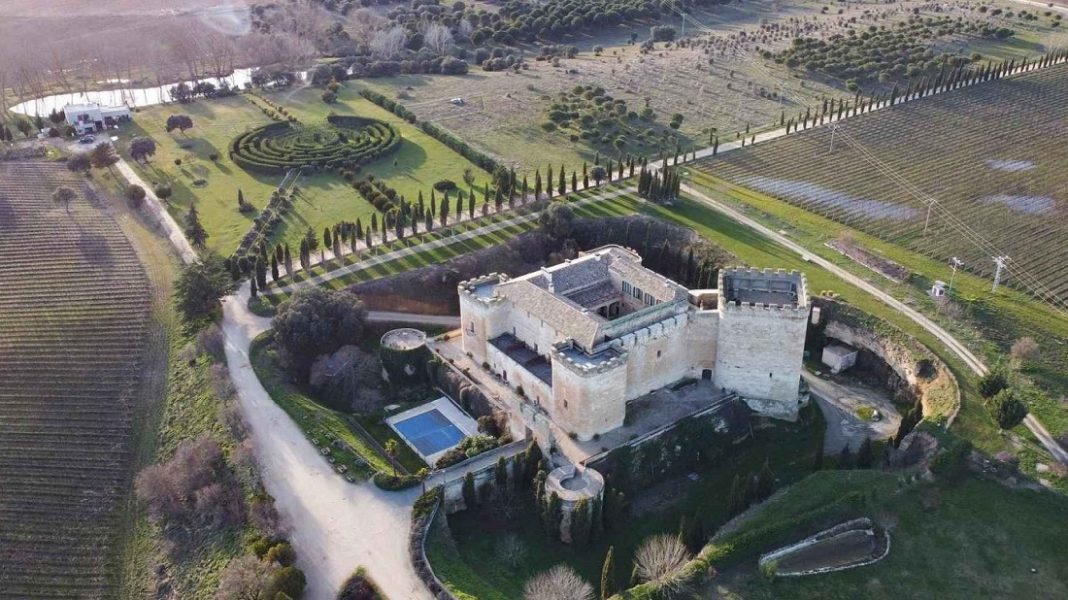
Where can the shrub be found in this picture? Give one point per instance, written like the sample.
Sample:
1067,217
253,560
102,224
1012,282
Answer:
1007,408
391,483
289,581
162,191
359,586
560,582
282,554
444,185
135,195
996,380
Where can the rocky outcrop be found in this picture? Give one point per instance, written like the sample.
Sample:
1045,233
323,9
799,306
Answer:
913,363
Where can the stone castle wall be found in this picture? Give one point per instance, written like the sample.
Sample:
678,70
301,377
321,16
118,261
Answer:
759,354
591,403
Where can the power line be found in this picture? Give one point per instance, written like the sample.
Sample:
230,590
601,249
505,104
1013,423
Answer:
1031,283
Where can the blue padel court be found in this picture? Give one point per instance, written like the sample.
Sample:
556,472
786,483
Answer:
430,432
433,428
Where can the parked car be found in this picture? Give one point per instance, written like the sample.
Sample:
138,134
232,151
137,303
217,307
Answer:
87,139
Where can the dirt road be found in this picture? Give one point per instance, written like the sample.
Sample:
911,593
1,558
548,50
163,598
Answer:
335,526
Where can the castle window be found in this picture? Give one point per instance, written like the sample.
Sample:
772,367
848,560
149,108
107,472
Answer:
648,298
626,288
638,292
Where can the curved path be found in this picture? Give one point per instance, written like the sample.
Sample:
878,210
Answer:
335,526
970,359
155,206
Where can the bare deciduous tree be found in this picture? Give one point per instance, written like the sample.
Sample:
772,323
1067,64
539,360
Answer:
438,38
388,42
660,558
1024,350
558,583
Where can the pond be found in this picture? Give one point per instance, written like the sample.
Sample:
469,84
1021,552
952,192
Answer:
132,97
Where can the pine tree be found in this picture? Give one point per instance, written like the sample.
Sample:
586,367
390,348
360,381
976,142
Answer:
608,575
193,229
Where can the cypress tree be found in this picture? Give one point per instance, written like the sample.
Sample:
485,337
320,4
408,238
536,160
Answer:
500,475
537,185
574,182
734,500
765,482
274,268
252,288
561,185
845,458
468,491
608,574
596,519
865,455
459,206
580,523
471,205
288,260
549,182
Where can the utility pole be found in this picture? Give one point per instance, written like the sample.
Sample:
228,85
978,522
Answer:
834,128
927,221
954,263
1000,262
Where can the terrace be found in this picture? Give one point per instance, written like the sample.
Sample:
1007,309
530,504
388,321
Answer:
530,360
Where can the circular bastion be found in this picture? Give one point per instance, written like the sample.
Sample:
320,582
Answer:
404,354
572,484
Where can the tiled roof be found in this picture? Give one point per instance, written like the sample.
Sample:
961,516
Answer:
556,295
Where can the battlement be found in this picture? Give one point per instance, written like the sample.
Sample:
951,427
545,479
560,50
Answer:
651,332
481,289
565,353
749,290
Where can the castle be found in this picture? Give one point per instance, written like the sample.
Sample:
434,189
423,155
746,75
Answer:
582,338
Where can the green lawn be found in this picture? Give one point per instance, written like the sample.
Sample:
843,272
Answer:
469,562
325,198
972,539
618,206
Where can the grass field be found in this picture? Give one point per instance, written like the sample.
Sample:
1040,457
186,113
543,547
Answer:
718,80
325,198
467,558
948,540
73,343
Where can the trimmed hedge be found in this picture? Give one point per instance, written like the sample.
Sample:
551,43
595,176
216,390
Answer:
344,142
391,483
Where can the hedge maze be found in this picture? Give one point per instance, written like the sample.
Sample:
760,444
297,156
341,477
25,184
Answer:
342,142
